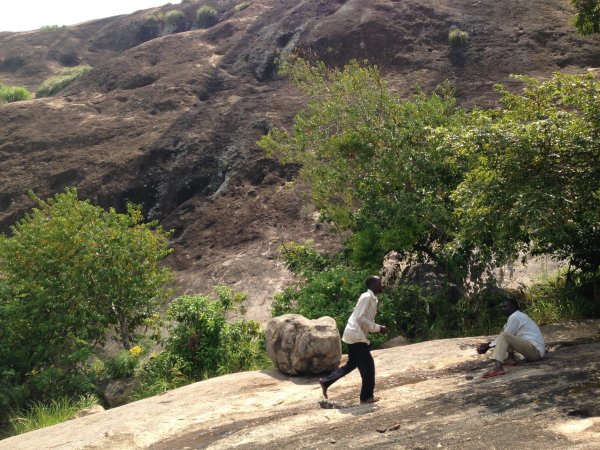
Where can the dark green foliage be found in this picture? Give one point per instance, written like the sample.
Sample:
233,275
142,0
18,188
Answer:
534,181
587,20
206,16
122,365
303,259
371,163
560,297
203,344
174,17
333,293
68,273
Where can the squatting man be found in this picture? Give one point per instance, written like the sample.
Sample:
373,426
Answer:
520,335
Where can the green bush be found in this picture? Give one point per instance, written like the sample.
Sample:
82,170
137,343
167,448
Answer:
302,259
203,344
57,83
174,17
332,292
124,364
554,299
159,374
457,37
10,94
40,415
241,6
206,16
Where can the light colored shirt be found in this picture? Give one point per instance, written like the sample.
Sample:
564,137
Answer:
520,324
361,322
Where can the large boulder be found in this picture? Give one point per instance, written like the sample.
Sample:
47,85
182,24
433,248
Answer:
297,345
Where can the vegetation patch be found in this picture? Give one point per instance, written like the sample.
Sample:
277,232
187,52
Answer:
206,16
10,94
40,415
458,38
57,83
241,6
174,17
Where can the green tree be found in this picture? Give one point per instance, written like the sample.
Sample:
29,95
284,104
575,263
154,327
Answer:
534,186
69,271
371,164
587,20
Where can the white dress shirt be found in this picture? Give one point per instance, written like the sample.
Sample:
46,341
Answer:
520,324
361,322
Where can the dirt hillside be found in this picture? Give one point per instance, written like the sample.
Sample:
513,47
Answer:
172,120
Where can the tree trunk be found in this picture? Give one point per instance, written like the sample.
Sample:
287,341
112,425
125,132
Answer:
123,330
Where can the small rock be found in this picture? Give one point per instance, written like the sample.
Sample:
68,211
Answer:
381,430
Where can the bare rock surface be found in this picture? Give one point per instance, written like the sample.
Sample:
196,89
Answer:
299,346
432,396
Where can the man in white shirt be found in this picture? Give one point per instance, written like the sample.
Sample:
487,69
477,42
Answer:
356,333
520,334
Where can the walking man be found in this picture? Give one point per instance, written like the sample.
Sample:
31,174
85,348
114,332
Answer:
520,334
356,333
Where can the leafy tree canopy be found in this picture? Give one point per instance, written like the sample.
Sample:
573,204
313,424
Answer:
534,183
69,271
369,159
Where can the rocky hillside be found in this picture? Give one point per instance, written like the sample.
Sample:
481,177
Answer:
172,120
432,396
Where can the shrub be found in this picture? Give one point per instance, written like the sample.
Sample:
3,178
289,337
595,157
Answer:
241,6
57,83
302,259
49,27
10,94
203,344
40,415
124,364
206,16
174,17
457,37
160,374
554,299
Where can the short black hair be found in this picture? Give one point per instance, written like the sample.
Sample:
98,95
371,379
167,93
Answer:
372,279
512,301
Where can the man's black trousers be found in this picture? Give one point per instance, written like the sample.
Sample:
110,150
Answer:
359,355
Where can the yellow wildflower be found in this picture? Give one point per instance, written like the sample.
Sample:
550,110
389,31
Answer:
135,351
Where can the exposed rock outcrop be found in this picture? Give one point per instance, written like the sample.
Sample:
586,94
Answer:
432,396
119,392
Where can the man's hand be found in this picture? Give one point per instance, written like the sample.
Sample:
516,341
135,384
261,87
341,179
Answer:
483,348
383,329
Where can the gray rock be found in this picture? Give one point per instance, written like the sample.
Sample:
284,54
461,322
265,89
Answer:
297,345
88,411
118,392
395,342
